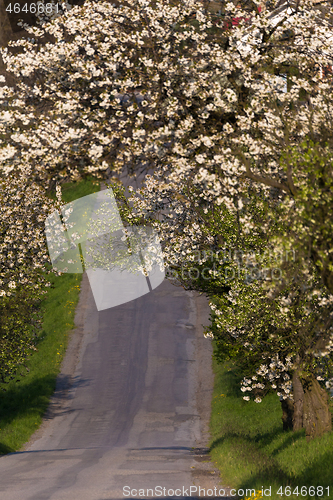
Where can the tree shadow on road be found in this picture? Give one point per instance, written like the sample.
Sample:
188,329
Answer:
24,403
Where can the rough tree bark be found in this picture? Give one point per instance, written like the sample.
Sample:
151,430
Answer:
317,418
5,31
5,27
298,394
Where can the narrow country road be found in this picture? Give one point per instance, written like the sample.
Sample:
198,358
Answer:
133,410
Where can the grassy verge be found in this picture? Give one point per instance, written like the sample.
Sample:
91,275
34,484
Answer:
74,190
253,452
24,402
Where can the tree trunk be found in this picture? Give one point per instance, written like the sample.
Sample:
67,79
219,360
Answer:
316,414
287,414
298,394
5,27
5,32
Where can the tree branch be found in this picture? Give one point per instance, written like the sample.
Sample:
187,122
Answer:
258,178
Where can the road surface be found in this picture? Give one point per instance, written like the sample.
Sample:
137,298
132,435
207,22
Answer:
131,406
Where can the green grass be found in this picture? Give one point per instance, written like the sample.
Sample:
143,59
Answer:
25,400
251,449
73,190
79,221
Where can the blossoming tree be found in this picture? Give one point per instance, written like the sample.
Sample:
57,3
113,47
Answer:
169,83
23,267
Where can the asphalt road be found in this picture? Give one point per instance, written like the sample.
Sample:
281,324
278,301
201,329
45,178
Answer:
132,402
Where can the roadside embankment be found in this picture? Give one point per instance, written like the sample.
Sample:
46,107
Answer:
252,451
